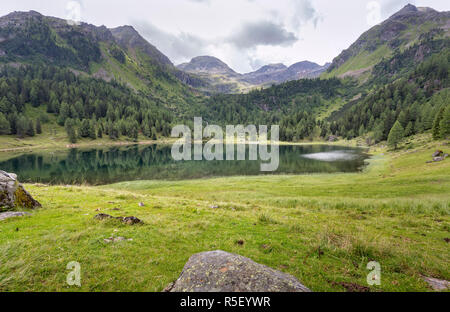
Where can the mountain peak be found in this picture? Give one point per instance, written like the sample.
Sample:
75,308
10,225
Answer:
270,68
207,64
128,37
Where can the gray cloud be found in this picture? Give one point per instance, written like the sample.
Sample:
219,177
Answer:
304,12
177,47
266,33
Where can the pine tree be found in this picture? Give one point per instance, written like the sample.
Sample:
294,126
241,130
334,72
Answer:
100,132
30,128
437,124
445,124
5,127
92,133
21,126
85,128
38,126
70,129
395,135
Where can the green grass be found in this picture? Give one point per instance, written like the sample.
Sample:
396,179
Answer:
364,60
396,213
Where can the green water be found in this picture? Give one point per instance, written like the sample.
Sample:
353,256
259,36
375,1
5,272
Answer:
116,164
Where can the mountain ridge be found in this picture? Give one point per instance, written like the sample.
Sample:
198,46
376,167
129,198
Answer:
398,32
220,74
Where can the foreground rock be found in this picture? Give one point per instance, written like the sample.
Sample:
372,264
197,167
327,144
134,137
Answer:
219,271
126,220
437,284
11,214
13,195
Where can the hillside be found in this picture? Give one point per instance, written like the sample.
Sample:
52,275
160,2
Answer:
406,28
98,52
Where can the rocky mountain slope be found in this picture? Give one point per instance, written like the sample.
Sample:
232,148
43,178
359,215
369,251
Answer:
404,29
225,79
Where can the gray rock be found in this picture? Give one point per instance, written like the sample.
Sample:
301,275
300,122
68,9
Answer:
219,271
11,214
437,284
13,195
437,153
116,239
436,159
126,220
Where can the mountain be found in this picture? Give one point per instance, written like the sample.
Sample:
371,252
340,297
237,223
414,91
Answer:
226,80
399,32
119,54
208,65
129,39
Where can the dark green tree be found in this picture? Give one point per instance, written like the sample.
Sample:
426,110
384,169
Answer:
38,126
437,124
445,124
5,127
395,135
70,129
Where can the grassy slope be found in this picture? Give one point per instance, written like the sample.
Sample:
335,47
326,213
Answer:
397,213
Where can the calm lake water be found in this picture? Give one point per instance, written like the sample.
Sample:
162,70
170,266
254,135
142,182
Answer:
116,164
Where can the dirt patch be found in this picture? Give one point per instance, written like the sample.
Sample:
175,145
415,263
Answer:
351,287
356,73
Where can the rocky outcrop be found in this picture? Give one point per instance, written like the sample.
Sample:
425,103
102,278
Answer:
219,271
126,220
13,195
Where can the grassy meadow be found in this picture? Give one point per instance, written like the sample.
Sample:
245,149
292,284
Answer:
324,229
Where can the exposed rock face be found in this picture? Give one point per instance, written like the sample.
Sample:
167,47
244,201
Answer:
13,195
219,271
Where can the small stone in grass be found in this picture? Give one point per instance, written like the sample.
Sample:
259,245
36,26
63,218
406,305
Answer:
141,205
115,239
214,207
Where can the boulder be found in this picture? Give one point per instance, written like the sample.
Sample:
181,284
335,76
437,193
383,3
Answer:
436,159
13,195
437,153
12,214
219,271
333,138
437,284
126,220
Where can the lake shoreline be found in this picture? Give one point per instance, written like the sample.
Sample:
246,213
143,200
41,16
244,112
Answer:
167,141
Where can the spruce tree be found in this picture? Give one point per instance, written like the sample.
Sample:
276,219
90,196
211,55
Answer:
70,129
395,135
5,127
38,126
30,128
445,124
437,124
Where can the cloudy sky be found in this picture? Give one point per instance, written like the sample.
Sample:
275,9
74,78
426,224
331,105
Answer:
245,34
